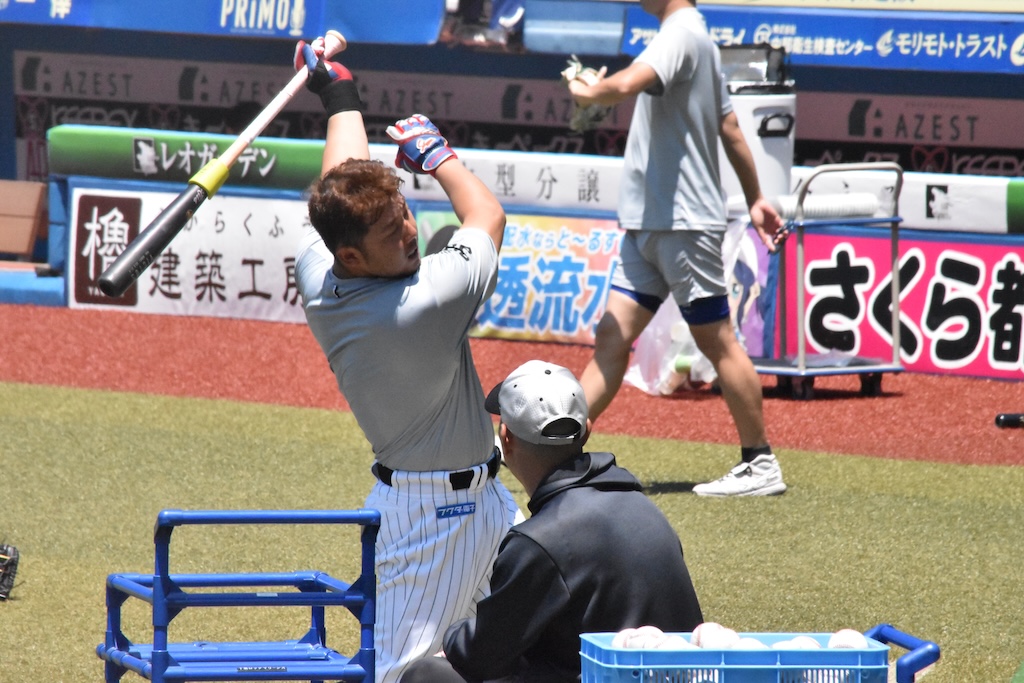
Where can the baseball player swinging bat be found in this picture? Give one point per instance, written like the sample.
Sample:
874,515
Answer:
144,249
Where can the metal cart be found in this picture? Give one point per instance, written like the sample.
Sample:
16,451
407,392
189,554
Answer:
795,375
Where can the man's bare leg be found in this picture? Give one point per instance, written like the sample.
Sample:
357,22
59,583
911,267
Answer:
741,387
623,321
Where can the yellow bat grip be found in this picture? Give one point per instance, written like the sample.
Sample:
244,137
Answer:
211,176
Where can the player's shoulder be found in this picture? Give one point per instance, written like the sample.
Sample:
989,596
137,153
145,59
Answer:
470,244
468,234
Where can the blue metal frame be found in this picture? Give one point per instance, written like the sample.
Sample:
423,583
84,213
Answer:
307,658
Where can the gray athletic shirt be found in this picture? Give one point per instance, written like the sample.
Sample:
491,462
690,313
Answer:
400,352
671,178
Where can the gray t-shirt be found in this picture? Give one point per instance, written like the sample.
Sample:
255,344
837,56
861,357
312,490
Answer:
400,352
671,178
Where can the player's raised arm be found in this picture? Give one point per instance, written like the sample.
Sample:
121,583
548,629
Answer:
422,149
333,82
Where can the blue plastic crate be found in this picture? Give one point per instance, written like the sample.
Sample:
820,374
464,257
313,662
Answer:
604,664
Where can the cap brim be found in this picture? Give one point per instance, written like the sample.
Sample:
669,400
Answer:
491,402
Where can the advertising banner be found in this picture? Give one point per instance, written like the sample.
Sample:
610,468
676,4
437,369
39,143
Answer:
961,306
235,259
933,201
553,279
534,181
868,39
553,276
961,303
968,136
201,97
908,119
911,5
359,20
956,135
543,181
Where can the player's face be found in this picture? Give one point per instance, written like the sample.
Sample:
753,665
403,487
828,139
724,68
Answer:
391,247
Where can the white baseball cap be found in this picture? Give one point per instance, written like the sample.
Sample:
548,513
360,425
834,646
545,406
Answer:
535,396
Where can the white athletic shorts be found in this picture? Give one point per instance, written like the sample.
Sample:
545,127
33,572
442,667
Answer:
434,553
687,263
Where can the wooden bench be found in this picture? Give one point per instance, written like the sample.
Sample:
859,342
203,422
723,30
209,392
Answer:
23,217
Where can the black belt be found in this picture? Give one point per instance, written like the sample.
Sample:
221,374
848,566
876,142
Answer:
460,480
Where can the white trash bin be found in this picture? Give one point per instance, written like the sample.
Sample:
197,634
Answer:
765,103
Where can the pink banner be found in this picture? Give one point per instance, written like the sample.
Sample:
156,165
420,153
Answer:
961,303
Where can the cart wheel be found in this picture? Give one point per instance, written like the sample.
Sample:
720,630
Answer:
871,384
784,385
803,388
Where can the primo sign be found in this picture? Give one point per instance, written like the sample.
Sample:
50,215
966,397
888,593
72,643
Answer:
264,15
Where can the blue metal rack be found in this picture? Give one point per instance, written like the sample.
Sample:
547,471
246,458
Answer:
305,659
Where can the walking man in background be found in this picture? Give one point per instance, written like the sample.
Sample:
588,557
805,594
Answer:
595,556
394,329
672,209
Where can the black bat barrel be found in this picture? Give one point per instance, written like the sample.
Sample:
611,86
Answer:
1010,420
144,249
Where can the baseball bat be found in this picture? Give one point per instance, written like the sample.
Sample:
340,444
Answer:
1010,420
150,243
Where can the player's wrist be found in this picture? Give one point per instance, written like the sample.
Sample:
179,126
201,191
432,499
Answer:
437,158
339,96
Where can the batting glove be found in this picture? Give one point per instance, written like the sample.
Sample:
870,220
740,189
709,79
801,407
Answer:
330,80
421,147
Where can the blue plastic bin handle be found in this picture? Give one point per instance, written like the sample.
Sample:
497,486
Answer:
923,653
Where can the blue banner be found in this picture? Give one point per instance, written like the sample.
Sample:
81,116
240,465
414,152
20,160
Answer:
923,41
364,21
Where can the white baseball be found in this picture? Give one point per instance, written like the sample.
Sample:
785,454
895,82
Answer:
647,638
674,641
748,643
848,638
804,643
699,631
621,639
713,636
642,638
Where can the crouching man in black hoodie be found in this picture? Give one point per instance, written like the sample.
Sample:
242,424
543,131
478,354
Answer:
596,555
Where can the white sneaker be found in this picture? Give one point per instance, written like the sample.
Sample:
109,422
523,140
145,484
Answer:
762,477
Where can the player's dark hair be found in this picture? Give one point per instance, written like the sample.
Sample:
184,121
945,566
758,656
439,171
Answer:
349,198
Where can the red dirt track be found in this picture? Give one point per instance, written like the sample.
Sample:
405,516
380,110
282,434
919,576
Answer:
917,417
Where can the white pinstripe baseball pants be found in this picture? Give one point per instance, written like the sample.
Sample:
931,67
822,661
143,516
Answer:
435,552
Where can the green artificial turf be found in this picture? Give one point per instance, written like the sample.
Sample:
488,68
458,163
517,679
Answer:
932,549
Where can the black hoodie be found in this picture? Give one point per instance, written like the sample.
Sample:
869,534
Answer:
596,556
